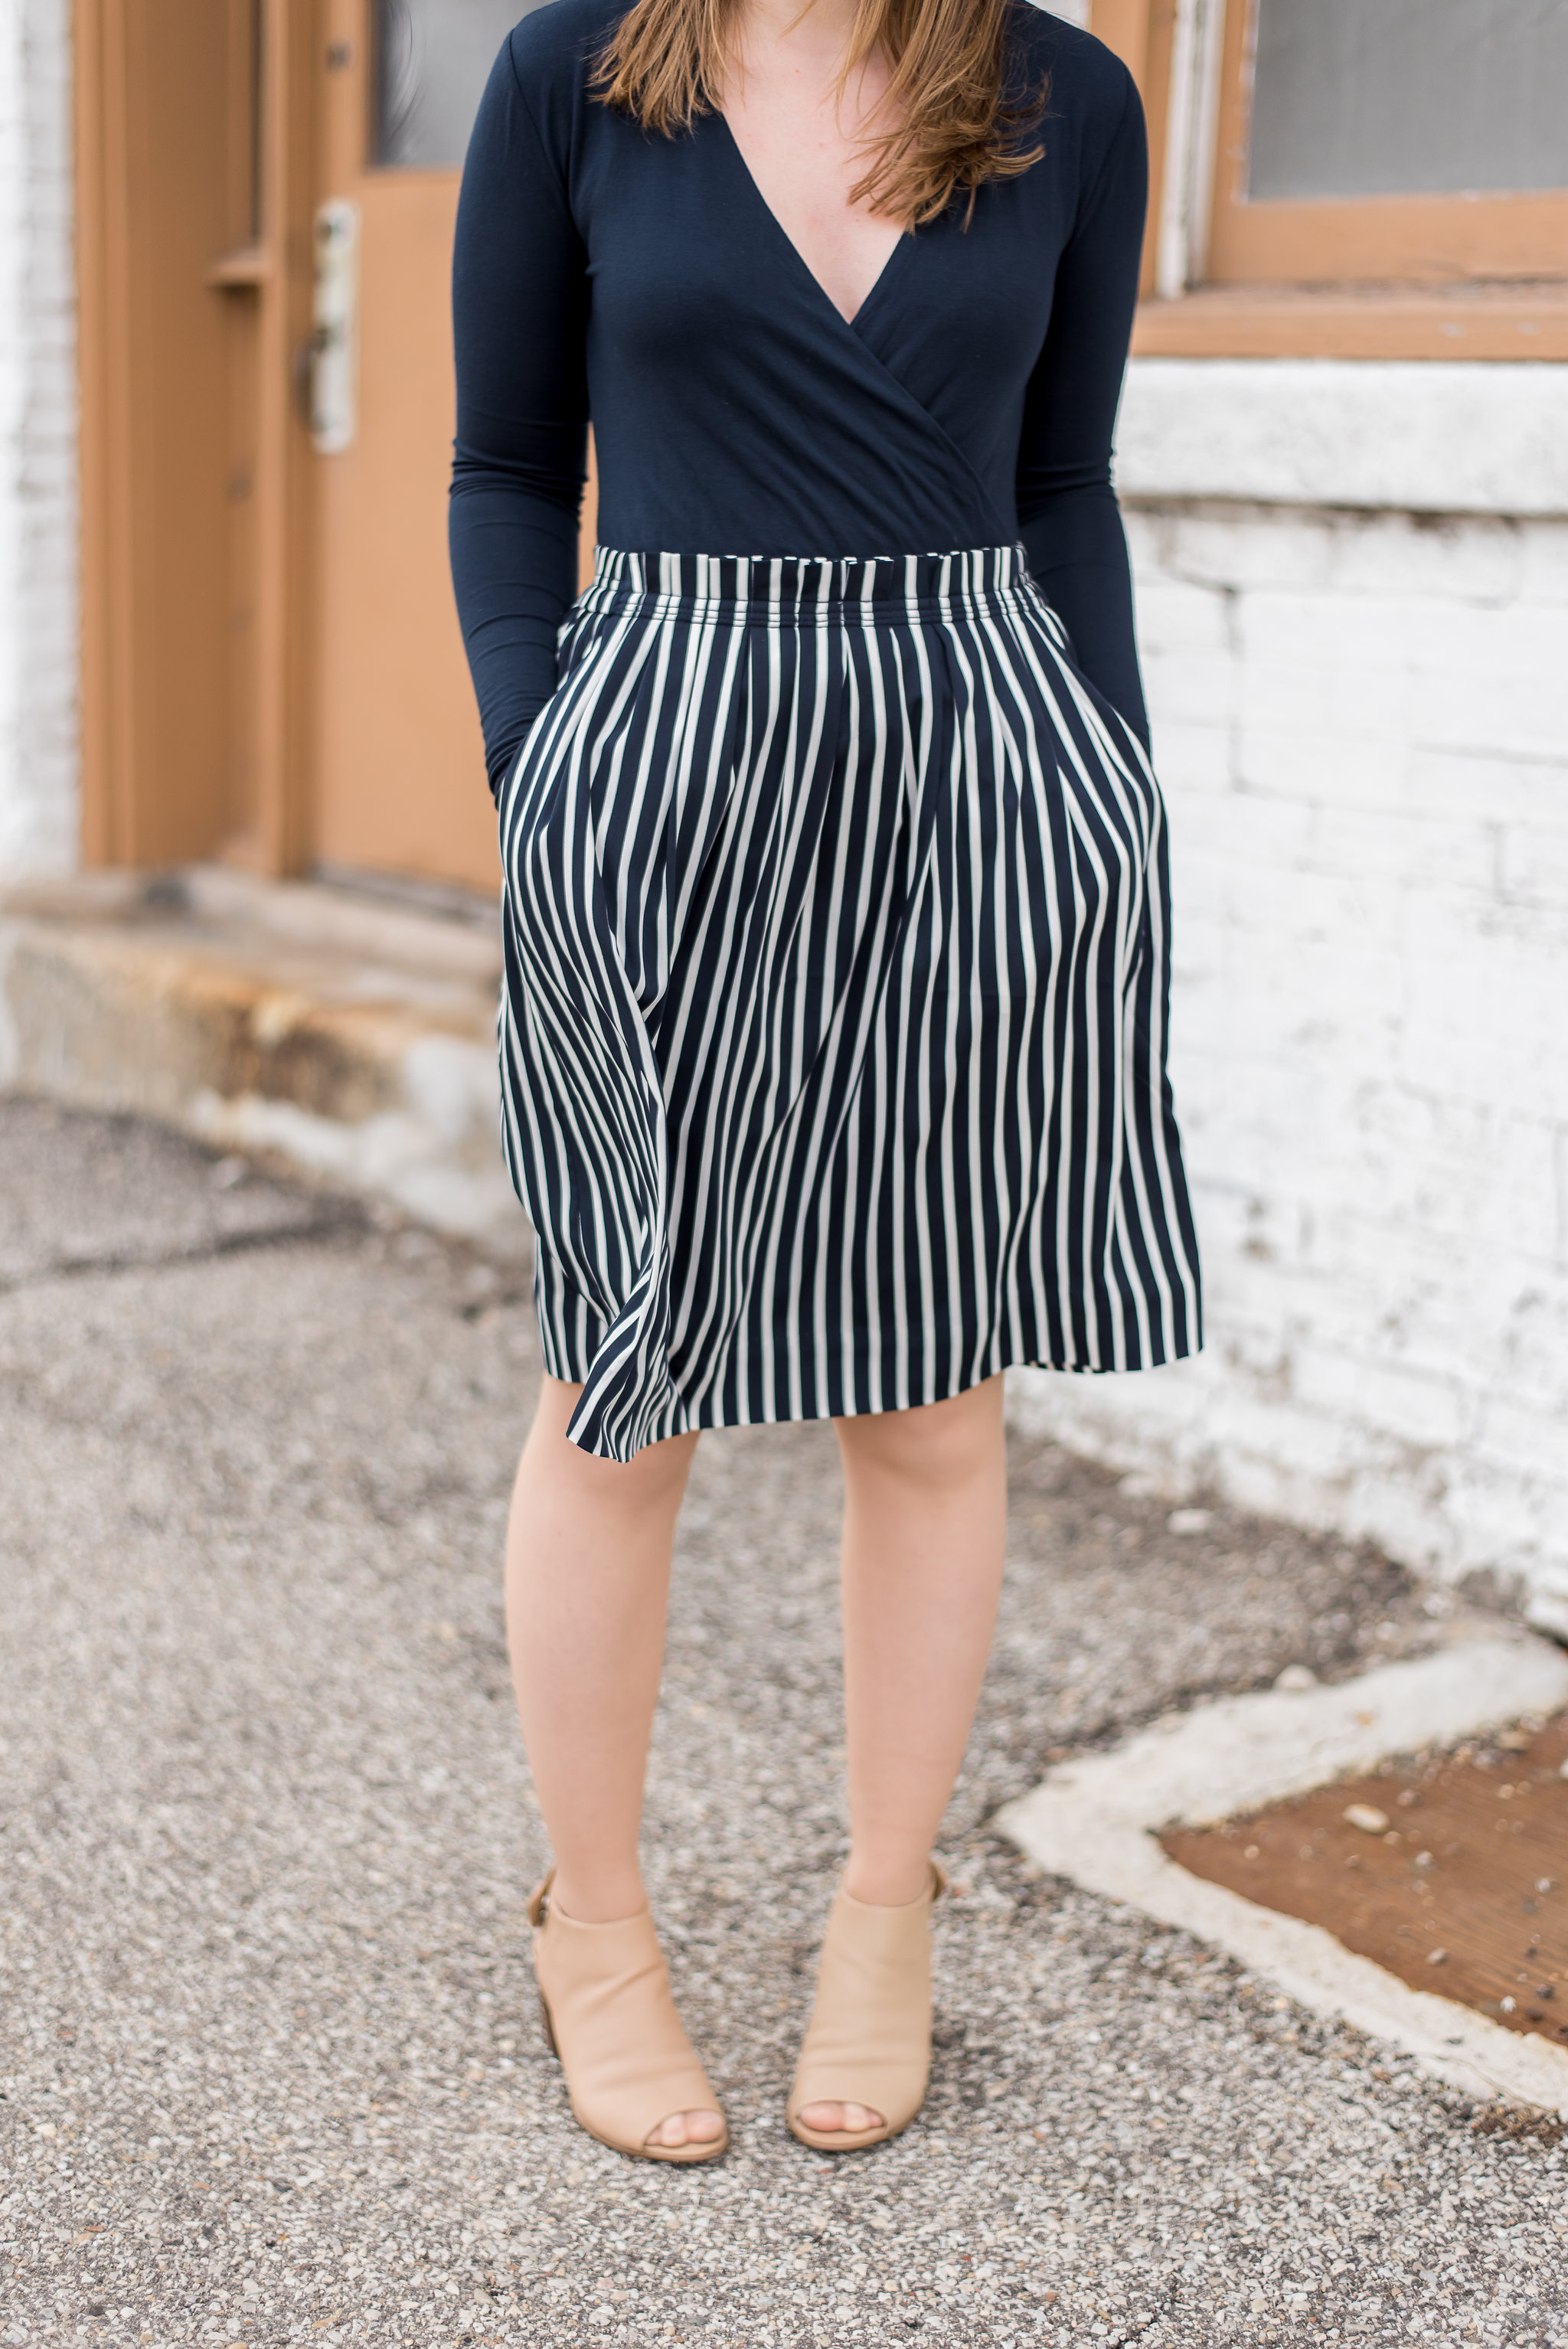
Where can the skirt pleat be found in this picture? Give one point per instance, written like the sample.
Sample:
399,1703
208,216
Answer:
833,1030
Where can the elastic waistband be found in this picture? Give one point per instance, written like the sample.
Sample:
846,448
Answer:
777,586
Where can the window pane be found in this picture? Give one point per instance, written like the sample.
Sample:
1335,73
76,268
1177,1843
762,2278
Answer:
432,61
1364,98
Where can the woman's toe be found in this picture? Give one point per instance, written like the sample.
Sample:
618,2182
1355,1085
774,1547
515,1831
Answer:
687,2128
840,2120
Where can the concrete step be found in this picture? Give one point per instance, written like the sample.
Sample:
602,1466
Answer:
352,1038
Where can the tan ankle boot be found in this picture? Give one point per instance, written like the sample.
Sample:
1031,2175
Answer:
611,2020
869,2037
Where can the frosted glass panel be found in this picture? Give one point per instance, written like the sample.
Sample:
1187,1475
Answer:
432,61
1364,98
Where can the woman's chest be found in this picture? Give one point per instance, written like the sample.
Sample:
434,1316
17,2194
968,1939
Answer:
805,155
687,262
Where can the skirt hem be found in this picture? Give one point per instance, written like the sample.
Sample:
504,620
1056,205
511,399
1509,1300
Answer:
706,1422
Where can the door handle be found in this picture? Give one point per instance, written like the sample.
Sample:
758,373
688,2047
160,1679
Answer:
332,354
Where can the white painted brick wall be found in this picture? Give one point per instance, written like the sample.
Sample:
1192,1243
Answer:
1361,723
39,631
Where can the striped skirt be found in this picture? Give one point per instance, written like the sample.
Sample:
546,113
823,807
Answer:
833,1030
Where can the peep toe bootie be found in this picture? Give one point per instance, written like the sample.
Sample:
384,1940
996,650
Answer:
611,2020
869,2037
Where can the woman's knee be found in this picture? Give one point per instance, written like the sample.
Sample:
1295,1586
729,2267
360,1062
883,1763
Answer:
654,1479
934,1447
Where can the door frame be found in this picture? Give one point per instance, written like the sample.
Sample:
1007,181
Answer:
157,694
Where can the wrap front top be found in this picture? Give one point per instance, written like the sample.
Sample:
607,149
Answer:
644,281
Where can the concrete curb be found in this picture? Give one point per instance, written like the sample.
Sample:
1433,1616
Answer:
356,1041
1094,1821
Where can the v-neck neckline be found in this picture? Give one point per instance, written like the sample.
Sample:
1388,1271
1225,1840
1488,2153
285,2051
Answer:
874,289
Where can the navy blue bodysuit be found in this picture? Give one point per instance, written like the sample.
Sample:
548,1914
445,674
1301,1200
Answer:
645,283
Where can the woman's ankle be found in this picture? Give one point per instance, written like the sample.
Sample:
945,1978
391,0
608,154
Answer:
598,1896
887,1879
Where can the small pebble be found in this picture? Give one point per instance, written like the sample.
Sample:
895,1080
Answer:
1423,1859
1507,2005
1296,1677
1437,1957
1251,1852
1195,1521
227,1173
1543,1883
1367,1817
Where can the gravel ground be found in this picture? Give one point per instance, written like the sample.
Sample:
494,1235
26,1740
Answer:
270,2059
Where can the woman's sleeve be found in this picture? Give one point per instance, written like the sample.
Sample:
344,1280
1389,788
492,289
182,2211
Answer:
1068,514
519,308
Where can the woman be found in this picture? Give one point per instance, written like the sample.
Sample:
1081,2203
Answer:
833,1030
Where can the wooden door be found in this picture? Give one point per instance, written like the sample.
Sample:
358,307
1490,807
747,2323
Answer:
398,767
192,181
272,671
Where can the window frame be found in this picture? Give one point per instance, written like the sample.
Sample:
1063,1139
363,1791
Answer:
1481,276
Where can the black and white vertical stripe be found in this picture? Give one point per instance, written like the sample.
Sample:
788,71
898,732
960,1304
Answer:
837,971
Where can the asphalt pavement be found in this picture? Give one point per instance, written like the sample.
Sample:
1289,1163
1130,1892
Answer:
271,2067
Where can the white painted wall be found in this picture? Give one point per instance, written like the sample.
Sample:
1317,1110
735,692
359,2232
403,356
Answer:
1417,436
1361,724
38,595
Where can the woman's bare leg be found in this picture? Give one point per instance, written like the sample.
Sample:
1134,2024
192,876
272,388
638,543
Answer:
925,1517
587,1584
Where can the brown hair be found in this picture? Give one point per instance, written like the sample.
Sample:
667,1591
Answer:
957,125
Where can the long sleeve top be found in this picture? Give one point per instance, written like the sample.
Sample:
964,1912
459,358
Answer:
644,281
